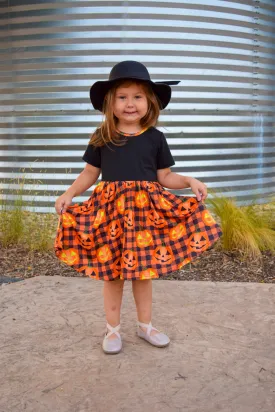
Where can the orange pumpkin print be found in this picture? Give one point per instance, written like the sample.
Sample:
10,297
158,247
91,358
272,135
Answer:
99,187
117,266
85,240
141,199
184,262
144,238
100,218
129,259
187,207
82,210
148,273
163,255
129,219
114,229
177,231
108,194
207,218
103,253
133,230
155,219
58,240
129,184
150,186
68,220
90,271
69,256
198,242
164,203
120,204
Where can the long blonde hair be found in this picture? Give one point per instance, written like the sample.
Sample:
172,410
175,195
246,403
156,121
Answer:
107,131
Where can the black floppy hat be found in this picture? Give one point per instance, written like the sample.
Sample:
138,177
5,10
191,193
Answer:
129,69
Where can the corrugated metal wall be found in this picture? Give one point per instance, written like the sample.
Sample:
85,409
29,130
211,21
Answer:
219,124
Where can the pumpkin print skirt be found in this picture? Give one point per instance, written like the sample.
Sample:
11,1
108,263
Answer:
133,230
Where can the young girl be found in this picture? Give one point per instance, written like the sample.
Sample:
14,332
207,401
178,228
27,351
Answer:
131,228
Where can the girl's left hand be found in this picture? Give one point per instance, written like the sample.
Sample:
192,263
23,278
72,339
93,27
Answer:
199,188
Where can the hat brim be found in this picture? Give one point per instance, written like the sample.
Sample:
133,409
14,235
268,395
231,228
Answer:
99,90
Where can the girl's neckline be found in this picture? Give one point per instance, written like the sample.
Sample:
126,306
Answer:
132,134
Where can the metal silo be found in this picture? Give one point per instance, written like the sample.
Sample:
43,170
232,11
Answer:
219,124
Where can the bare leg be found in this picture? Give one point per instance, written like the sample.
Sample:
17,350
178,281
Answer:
142,291
112,292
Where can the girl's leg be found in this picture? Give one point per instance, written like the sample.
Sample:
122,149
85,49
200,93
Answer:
112,292
142,291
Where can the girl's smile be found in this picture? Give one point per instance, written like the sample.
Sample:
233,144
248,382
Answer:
130,106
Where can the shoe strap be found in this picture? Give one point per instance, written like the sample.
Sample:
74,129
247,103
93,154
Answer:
148,326
113,330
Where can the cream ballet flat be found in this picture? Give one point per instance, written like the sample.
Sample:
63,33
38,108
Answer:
159,339
112,346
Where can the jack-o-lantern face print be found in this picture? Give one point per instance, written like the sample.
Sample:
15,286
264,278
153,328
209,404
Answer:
129,184
198,242
92,272
144,238
149,273
164,203
99,187
85,240
141,199
187,207
150,186
104,254
114,229
207,218
82,210
129,259
108,194
163,255
129,219
100,218
155,219
69,256
120,204
68,220
177,231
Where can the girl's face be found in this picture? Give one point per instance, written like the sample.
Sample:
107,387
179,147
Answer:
130,104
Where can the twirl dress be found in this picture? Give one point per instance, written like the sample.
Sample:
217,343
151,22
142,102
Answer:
131,227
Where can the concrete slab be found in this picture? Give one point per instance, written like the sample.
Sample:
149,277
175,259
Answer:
221,356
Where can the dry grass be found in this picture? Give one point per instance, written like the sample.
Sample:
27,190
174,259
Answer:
249,230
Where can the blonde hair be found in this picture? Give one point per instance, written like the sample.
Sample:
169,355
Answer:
107,131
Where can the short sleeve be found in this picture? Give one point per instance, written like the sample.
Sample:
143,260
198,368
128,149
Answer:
92,155
164,155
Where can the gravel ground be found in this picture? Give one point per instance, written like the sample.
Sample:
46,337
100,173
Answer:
213,265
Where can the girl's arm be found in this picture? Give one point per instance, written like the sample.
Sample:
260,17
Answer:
173,180
84,181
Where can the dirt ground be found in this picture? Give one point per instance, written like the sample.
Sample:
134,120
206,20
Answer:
213,265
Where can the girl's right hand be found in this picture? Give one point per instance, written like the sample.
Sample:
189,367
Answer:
62,203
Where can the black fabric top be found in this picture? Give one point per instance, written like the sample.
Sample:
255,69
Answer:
138,159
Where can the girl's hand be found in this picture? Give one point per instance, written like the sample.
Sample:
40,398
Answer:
199,188
62,203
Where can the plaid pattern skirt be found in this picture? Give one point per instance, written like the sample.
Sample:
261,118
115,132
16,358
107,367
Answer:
133,230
